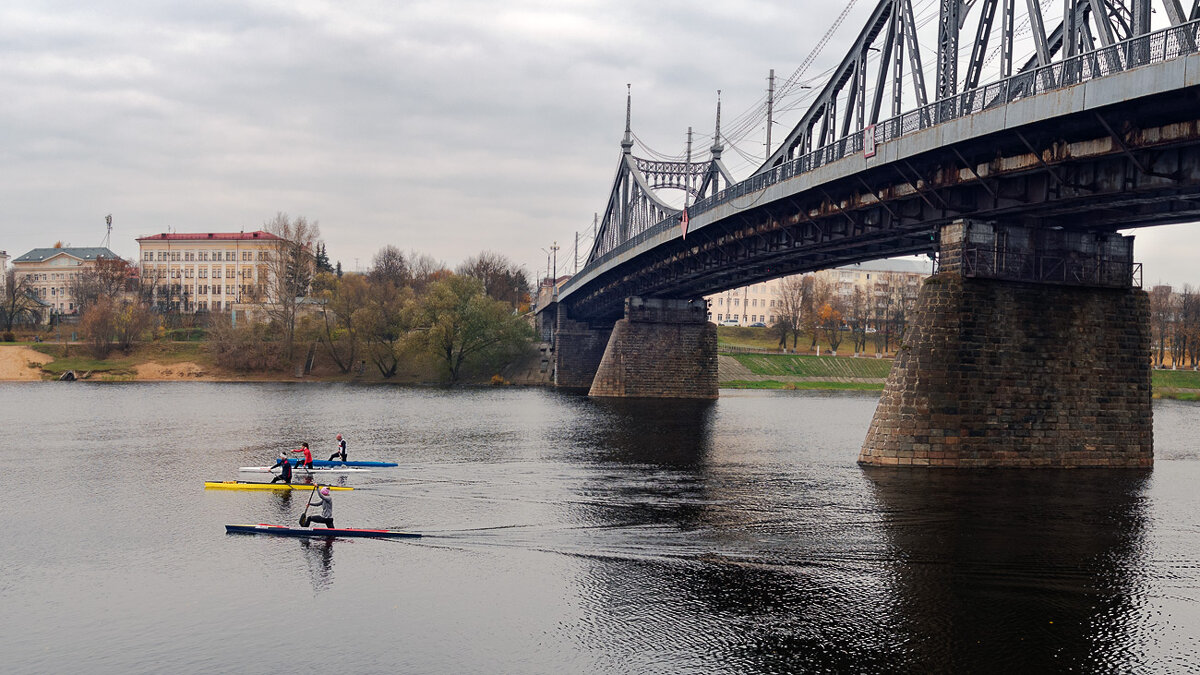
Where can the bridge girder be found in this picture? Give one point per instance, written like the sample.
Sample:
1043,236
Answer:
1078,173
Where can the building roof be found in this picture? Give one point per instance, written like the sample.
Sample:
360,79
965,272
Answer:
214,236
88,253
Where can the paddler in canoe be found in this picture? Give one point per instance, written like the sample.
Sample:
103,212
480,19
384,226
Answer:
341,451
326,504
308,462
285,469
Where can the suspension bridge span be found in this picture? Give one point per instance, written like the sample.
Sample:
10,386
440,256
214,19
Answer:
1030,346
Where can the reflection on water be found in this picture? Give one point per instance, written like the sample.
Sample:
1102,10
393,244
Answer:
1015,569
568,534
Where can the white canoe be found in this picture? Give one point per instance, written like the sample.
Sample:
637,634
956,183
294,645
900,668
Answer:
305,472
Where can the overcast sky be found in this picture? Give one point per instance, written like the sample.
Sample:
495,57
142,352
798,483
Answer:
447,127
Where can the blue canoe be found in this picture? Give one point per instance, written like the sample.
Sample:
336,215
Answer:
281,531
325,462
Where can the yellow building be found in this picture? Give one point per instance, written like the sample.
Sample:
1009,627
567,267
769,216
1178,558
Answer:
758,303
51,272
209,271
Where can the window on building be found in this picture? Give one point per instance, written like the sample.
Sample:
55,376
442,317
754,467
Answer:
720,316
772,320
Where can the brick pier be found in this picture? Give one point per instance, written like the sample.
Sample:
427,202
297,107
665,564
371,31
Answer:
1000,373
663,348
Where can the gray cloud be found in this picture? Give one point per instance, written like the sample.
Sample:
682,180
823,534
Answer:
444,127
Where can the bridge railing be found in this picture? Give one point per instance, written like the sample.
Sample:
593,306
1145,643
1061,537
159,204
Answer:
1157,47
996,263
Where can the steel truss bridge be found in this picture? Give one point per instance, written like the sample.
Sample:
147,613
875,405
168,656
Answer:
1098,130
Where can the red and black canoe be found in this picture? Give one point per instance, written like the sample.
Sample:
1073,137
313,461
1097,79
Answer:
281,531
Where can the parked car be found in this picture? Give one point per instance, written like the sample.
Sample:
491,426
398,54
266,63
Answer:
758,324
730,322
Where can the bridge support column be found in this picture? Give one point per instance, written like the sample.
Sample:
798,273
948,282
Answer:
995,372
578,348
663,348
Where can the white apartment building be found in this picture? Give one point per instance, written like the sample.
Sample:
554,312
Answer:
757,303
50,272
206,271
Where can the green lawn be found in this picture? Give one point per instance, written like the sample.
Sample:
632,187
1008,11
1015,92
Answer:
776,384
1179,379
815,366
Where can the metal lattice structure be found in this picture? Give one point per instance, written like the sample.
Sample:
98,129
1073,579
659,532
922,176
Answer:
886,62
633,205
852,99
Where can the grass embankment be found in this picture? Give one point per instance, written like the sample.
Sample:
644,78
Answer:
832,371
1169,383
118,366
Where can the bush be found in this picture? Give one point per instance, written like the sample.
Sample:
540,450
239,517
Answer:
246,348
9,337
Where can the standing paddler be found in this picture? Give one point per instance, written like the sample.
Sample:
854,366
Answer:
285,469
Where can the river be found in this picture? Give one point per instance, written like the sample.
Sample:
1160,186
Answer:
571,535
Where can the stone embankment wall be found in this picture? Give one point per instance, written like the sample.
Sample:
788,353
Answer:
1010,374
661,349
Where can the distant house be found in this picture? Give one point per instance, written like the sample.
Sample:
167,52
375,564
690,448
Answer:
51,271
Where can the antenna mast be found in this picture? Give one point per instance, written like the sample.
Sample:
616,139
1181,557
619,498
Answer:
108,233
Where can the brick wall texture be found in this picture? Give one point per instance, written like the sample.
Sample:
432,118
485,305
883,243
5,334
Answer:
660,351
578,349
1009,374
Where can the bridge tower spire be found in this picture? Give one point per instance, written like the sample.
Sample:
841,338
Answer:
717,146
627,142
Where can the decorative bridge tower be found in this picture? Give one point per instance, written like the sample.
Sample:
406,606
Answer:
663,347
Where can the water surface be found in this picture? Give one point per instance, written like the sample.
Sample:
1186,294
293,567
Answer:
570,535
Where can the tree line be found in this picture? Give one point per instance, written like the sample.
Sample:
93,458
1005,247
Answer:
811,307
405,307
1175,326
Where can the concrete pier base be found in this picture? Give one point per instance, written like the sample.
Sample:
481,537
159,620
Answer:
663,348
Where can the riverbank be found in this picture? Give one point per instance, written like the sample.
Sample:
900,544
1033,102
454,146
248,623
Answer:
189,361
165,361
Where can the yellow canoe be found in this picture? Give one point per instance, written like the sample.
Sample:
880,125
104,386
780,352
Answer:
246,485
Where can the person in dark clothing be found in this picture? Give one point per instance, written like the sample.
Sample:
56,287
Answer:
326,505
285,469
341,451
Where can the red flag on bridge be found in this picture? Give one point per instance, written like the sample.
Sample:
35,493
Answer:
683,222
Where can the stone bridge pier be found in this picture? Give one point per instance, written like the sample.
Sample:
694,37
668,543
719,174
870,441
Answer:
1029,348
662,348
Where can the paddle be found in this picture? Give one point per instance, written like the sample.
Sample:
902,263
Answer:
308,503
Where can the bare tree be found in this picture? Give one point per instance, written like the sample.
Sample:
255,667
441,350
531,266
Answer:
289,272
857,315
817,298
107,278
502,279
19,303
790,299
1160,321
425,270
391,267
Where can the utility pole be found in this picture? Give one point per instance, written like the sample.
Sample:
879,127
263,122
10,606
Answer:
576,254
554,249
770,107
